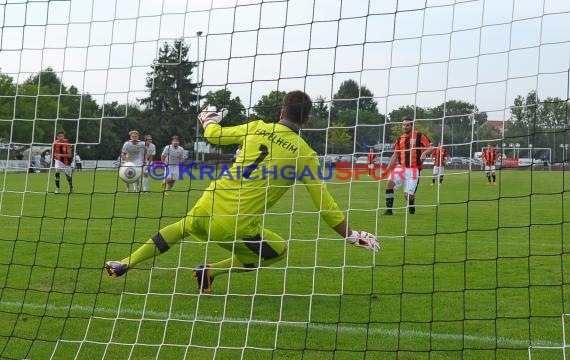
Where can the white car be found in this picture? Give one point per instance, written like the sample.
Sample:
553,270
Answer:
361,160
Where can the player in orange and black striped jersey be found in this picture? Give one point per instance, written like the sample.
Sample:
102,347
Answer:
410,150
63,156
440,156
490,156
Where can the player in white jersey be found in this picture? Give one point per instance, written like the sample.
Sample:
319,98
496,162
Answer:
149,153
172,155
133,151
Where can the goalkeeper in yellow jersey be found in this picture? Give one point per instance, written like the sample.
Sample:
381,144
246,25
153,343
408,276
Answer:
231,210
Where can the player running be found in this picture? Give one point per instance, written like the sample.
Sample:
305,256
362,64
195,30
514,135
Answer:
172,156
133,151
232,209
149,153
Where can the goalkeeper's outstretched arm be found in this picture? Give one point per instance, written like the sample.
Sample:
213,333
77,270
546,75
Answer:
330,211
357,238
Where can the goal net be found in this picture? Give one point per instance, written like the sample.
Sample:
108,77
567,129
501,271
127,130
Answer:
480,270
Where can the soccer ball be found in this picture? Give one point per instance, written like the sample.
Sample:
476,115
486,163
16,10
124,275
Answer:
129,172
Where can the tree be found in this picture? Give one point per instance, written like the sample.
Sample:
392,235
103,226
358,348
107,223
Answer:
537,122
268,107
169,83
350,96
398,115
524,110
460,124
46,100
419,126
222,99
172,95
315,132
340,139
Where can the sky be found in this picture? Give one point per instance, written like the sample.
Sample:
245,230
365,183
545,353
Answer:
407,52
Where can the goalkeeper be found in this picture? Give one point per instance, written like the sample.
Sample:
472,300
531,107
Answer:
231,211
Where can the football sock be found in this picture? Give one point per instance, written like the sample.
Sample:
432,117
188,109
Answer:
145,183
433,181
159,243
389,198
56,180
489,178
70,181
441,179
413,206
494,178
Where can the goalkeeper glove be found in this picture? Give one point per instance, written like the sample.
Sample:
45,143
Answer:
211,116
364,240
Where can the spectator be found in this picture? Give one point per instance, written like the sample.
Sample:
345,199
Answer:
78,163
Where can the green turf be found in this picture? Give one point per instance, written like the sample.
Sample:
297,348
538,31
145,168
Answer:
483,275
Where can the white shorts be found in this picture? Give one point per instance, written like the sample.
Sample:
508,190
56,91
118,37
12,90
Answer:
439,170
172,172
410,180
60,166
490,168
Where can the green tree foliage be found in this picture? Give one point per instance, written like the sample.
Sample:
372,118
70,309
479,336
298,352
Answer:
268,108
339,139
44,105
352,97
172,95
222,99
315,133
354,106
539,122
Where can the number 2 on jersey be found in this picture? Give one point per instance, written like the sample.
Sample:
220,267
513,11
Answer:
264,152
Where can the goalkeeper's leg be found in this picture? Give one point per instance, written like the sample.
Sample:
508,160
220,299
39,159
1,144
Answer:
162,241
251,253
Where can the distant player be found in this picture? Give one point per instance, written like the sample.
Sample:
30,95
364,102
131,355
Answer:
440,155
410,150
78,163
490,156
47,159
232,210
545,163
133,151
149,153
172,155
63,156
371,158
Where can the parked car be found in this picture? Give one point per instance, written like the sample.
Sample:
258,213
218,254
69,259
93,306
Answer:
382,160
455,161
361,160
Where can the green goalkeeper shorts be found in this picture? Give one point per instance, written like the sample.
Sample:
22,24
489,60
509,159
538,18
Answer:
246,239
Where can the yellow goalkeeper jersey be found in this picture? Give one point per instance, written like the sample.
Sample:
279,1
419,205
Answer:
273,157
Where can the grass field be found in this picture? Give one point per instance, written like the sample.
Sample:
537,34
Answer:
482,275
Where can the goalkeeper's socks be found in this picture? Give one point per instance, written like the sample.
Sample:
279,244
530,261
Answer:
389,198
160,242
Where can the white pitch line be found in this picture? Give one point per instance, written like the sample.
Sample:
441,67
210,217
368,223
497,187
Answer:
164,316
